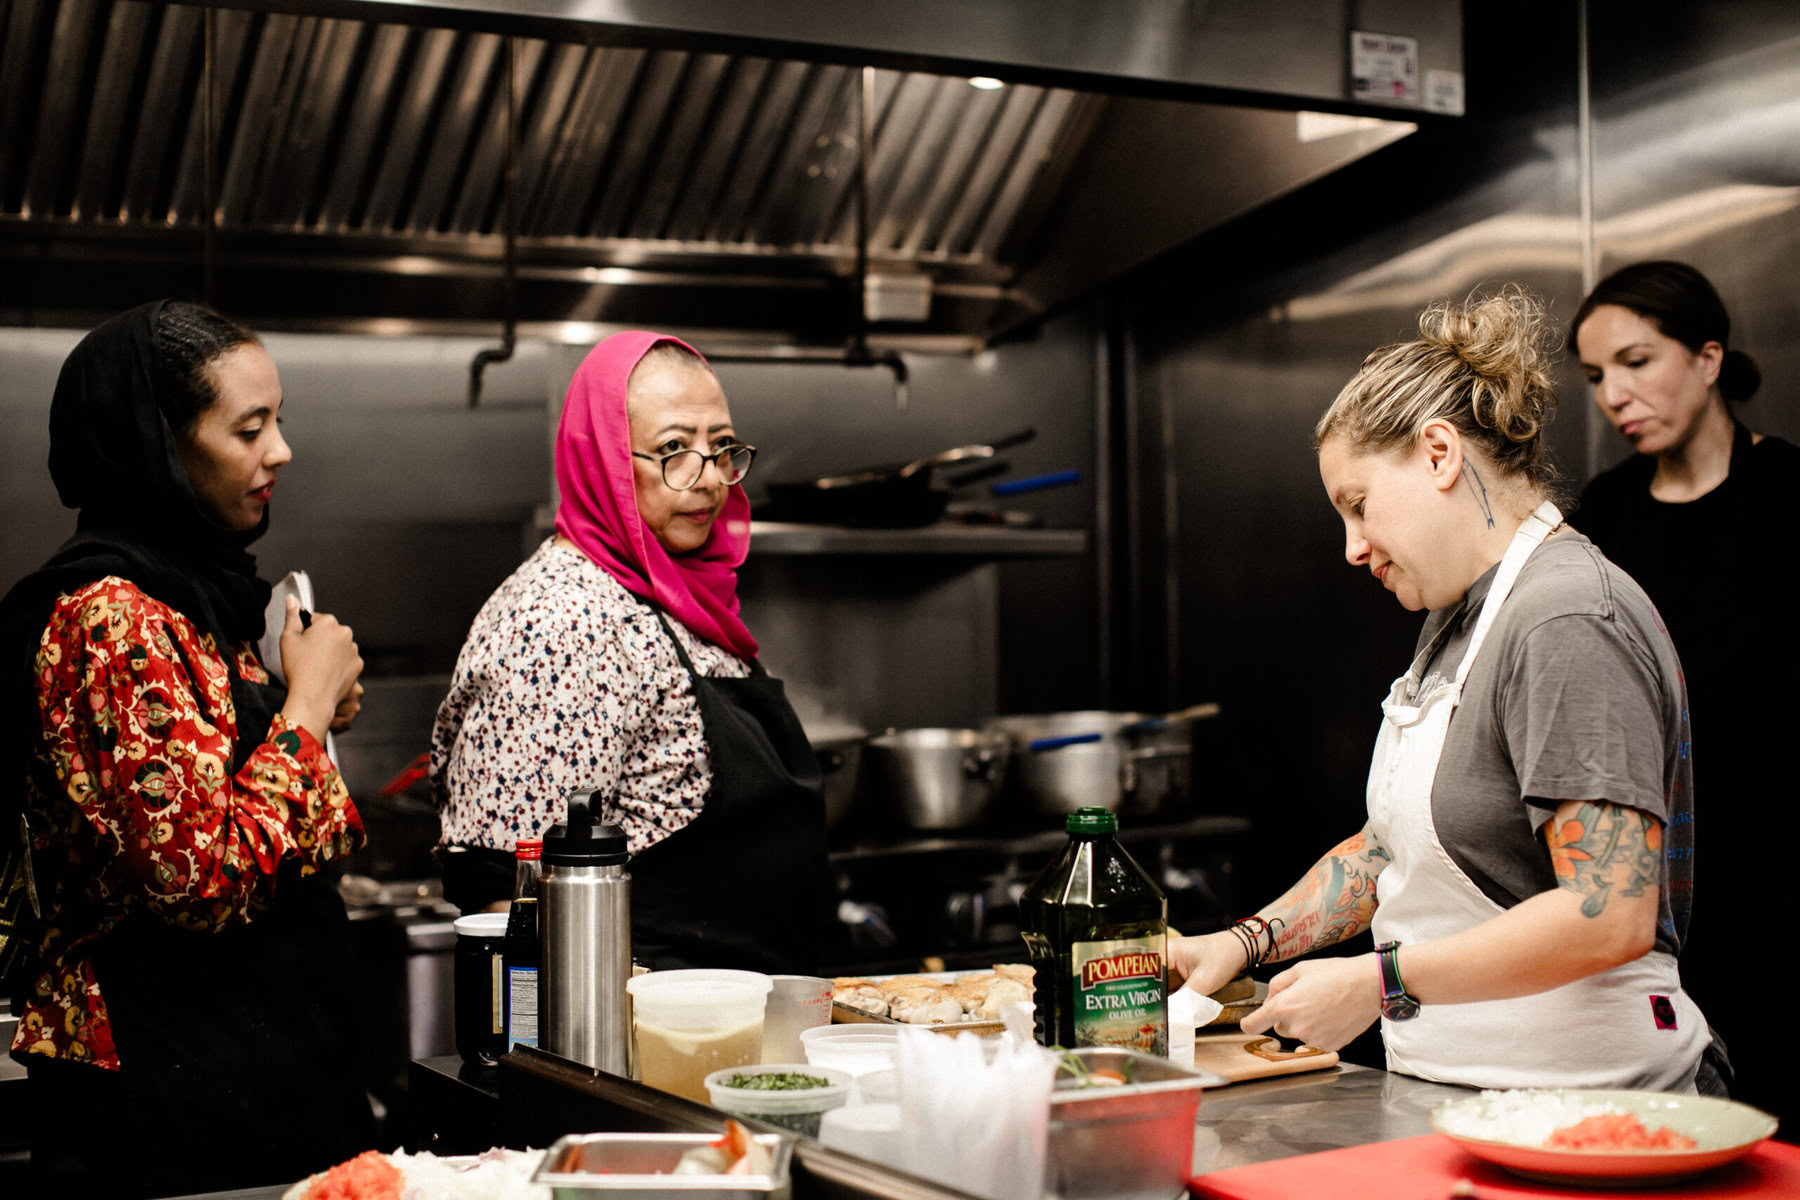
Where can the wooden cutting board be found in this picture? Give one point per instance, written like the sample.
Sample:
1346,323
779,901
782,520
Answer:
1238,1056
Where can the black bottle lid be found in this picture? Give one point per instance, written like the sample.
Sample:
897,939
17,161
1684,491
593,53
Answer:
581,840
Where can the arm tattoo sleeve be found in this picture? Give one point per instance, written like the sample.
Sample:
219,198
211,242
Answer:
1606,848
1333,901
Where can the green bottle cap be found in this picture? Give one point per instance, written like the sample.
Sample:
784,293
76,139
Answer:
1092,820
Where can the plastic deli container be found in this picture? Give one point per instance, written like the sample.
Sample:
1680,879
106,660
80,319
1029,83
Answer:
857,1049
689,1024
1134,1140
798,1109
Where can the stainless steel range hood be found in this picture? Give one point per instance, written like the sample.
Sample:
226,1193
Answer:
684,163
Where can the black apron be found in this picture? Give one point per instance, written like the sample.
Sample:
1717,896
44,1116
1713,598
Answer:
745,884
238,1050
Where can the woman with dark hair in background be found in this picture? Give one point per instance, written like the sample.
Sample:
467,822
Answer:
1706,517
187,1015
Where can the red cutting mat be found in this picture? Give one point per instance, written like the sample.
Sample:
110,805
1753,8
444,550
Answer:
1429,1167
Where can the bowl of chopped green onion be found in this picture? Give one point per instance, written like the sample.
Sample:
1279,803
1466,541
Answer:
792,1096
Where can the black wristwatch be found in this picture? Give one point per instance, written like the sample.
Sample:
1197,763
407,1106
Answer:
1397,1004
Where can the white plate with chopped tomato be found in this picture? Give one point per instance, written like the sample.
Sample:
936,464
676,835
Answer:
1600,1137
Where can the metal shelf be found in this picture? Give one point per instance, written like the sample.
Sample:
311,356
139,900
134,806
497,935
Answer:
1013,842
945,538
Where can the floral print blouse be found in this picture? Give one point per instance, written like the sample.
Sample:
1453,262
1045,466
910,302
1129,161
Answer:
150,818
568,683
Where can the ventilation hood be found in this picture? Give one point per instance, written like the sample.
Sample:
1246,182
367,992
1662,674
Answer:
689,164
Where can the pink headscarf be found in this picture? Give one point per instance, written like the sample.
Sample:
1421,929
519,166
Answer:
599,511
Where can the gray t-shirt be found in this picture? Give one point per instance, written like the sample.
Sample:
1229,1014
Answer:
1577,694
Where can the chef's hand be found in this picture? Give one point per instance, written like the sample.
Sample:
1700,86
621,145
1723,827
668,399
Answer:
347,709
1207,963
321,663
1325,1002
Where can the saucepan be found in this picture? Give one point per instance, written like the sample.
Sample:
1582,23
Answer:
936,778
1126,761
886,497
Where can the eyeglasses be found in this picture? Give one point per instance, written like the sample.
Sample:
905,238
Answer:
682,469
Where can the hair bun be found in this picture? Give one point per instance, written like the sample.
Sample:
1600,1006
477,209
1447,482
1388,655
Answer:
1502,338
1739,377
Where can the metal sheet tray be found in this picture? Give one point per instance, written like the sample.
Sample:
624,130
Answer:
642,1162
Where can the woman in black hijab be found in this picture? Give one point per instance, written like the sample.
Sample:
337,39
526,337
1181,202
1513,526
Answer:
184,984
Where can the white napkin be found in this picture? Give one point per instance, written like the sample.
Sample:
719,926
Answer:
975,1115
299,585
1188,1010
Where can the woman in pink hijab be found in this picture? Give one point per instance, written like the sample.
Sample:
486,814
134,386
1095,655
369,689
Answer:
614,662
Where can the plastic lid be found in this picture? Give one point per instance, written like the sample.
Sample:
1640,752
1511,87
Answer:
482,924
582,841
528,848
1092,820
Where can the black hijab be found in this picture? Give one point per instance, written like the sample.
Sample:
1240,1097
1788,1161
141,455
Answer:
115,458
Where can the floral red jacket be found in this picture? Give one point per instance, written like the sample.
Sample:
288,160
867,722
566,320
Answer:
149,817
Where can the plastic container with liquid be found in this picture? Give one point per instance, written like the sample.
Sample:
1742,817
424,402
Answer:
691,1023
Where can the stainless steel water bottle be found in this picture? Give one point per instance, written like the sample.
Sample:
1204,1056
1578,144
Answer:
587,940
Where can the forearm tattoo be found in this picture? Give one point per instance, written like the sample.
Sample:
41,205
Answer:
1606,848
1333,901
1478,489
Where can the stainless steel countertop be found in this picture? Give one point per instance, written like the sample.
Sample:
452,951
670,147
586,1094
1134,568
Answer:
1300,1114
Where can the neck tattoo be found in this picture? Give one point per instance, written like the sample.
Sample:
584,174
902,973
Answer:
1478,489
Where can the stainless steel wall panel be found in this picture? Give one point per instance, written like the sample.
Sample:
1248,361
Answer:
1697,158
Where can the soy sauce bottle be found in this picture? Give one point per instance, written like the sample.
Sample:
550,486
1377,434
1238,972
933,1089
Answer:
1096,929
522,950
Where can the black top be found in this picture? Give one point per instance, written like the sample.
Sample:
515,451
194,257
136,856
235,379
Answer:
1722,570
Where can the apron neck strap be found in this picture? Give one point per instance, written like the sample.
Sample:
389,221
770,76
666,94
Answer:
1528,537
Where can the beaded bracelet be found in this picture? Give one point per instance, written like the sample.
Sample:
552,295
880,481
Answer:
1249,933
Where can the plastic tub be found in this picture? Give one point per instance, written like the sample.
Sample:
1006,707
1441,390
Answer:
857,1049
876,1087
689,1024
796,1109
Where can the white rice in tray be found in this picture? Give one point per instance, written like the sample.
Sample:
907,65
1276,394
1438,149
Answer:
1525,1117
496,1175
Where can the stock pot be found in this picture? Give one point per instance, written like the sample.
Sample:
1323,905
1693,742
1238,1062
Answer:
936,778
1126,761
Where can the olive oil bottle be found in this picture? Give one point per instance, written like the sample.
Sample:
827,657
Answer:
1096,928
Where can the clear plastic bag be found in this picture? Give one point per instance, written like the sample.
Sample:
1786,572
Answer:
975,1112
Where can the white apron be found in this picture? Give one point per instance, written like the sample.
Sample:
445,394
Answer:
1596,1032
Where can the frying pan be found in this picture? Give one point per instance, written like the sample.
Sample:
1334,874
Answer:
886,497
